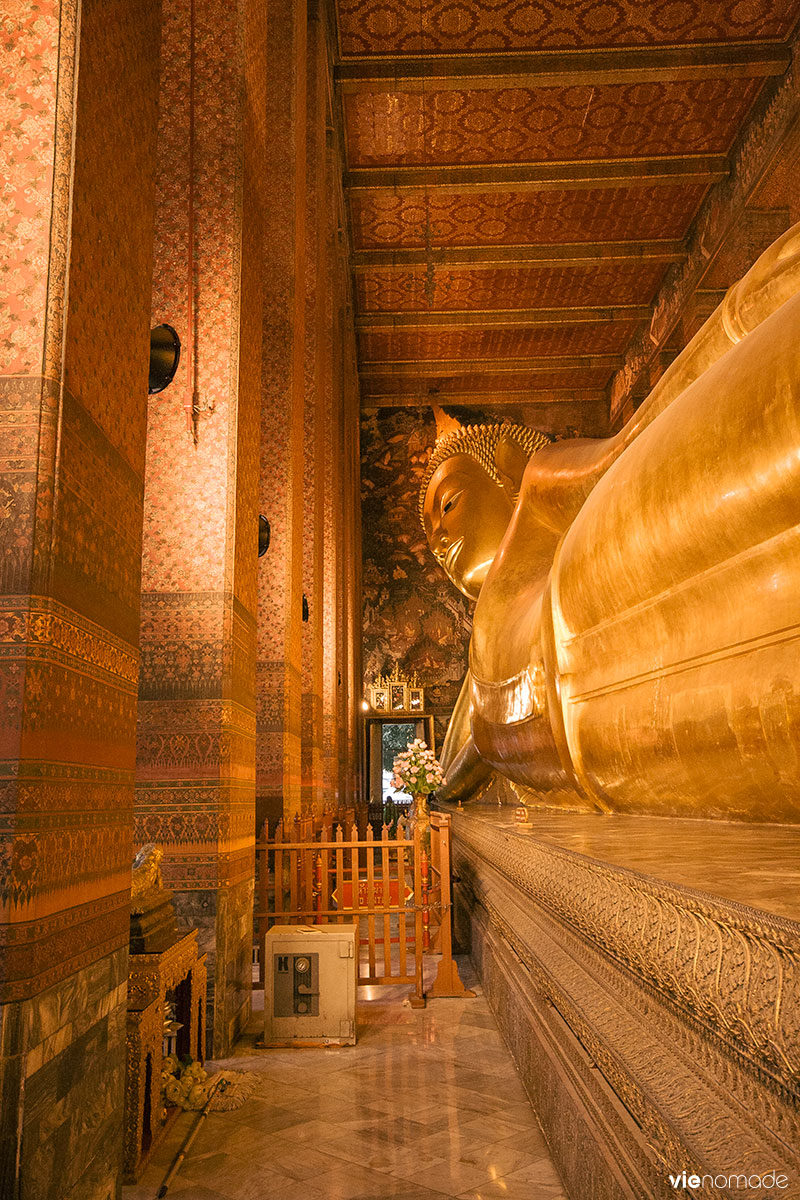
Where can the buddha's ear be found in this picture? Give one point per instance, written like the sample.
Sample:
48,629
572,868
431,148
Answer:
510,460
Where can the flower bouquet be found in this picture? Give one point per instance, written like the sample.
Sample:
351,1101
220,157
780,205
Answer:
418,772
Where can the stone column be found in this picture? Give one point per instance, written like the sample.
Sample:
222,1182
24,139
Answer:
309,451
316,369
84,91
343,684
196,736
352,594
280,577
332,663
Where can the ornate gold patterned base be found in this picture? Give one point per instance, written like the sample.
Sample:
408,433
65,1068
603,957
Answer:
180,970
655,1027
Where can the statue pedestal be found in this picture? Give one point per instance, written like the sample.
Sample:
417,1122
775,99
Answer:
646,975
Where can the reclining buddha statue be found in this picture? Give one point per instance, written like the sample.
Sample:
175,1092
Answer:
635,637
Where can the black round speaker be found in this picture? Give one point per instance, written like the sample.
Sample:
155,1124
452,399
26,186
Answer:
264,535
165,354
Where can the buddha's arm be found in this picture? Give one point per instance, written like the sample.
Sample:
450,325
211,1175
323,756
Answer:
458,730
465,776
464,769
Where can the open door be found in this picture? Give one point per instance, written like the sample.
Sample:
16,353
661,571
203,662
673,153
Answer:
386,737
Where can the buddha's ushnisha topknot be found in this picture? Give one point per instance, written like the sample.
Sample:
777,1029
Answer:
480,441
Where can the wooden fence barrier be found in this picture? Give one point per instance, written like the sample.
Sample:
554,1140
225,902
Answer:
327,878
397,892
447,981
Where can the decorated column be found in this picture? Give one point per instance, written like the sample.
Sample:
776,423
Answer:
280,579
82,98
196,739
316,370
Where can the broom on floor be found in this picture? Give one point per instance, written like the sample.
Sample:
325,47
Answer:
220,1084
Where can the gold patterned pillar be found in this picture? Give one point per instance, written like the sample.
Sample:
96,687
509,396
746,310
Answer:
353,722
280,575
343,689
81,112
316,233
331,615
196,736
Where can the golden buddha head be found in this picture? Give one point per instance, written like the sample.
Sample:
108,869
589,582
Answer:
468,494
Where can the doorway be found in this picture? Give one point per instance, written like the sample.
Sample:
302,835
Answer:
385,739
395,736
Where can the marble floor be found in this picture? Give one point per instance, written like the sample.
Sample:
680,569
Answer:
426,1105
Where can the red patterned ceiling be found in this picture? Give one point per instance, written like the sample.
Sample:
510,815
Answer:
504,288
668,94
407,345
452,26
579,379
385,219
546,124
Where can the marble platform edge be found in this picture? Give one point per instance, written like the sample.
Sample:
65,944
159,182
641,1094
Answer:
780,928
739,977
665,1090
599,1153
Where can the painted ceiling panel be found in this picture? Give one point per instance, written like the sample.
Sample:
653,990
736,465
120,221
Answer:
404,345
486,178
385,219
511,381
548,124
451,26
503,288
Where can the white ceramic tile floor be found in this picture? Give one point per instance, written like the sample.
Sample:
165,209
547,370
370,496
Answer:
427,1105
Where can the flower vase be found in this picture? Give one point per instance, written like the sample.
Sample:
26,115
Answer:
421,818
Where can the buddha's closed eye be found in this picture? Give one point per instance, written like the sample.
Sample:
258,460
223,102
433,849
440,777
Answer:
449,502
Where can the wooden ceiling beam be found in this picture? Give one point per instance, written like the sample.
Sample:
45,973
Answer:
562,254
513,318
419,368
414,399
541,176
561,68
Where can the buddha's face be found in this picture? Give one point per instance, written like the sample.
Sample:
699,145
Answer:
465,515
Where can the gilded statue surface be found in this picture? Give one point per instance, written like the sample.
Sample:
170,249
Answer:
146,880
635,637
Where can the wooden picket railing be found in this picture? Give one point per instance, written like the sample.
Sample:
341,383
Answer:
310,872
447,981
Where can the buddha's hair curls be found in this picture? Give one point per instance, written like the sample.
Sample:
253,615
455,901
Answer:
479,441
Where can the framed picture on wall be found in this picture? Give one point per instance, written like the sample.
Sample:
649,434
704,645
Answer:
416,699
398,697
379,699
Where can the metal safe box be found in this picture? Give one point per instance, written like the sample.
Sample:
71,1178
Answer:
310,983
